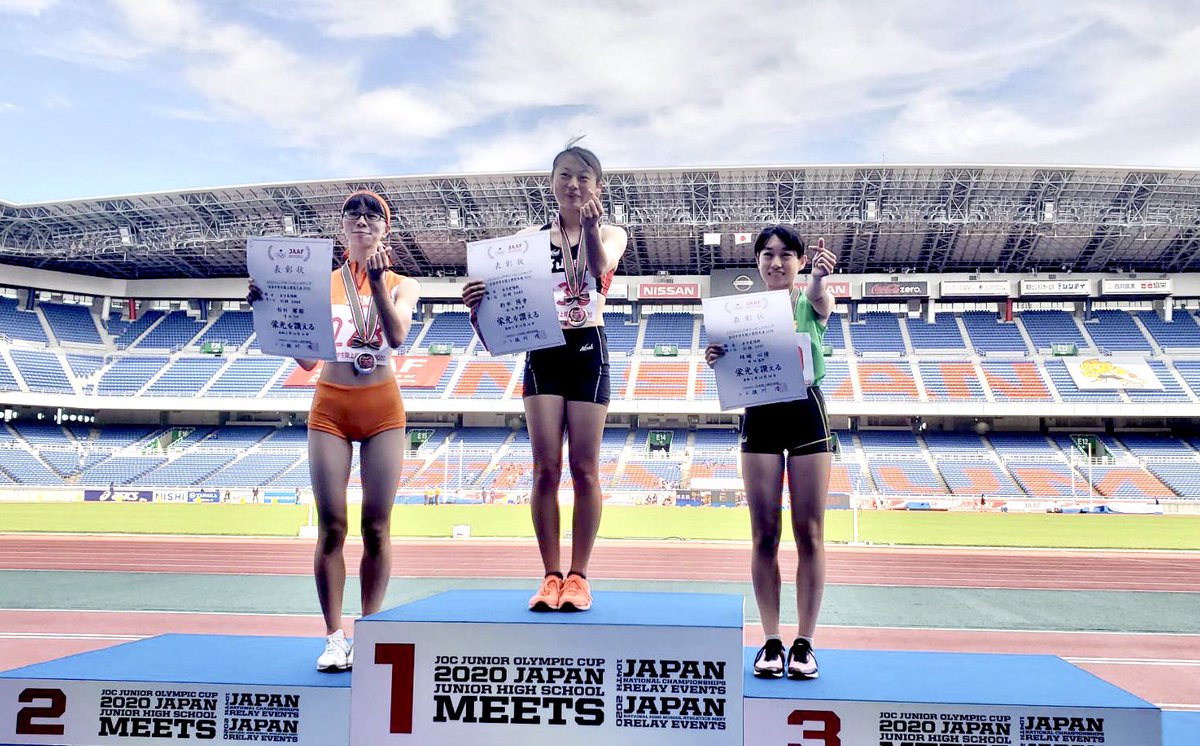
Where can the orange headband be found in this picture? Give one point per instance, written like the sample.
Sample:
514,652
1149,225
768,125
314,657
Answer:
387,212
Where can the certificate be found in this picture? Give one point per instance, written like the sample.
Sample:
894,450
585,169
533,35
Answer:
294,317
517,313
760,365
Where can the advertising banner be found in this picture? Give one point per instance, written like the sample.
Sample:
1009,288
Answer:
1136,287
896,289
975,288
118,494
1055,287
668,291
738,281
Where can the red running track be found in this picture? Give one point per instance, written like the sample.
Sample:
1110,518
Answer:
1161,668
941,568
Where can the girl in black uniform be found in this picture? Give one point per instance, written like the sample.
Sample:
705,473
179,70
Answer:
567,387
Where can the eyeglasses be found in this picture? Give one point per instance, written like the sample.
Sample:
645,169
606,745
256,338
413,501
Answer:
372,217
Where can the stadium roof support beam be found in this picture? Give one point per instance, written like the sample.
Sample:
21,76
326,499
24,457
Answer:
1019,248
869,185
289,201
1184,250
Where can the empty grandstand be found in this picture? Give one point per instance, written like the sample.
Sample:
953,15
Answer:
935,395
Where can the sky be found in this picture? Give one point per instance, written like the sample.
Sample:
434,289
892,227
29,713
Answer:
108,97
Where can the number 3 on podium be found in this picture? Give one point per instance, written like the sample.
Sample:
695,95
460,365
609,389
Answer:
828,735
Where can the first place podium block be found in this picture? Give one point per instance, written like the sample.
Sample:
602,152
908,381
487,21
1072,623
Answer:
477,667
210,689
945,699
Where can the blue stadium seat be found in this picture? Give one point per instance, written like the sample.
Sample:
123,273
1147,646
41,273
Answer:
878,331
987,333
1115,331
185,377
20,324
245,377
941,335
42,371
71,323
1048,328
1182,333
232,328
129,374
450,328
172,333
1171,390
669,329
130,331
621,331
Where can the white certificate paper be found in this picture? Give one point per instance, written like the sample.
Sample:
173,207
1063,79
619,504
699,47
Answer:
294,318
760,365
517,313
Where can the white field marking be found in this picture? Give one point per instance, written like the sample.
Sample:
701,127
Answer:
1135,661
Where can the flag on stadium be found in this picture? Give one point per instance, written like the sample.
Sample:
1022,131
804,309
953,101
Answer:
712,239
741,238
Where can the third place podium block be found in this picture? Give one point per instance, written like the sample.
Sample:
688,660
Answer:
881,698
476,667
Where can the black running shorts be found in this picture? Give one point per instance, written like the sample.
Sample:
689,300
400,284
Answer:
576,370
791,428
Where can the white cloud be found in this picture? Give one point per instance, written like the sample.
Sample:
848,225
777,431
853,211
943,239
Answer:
374,18
670,83
8,107
26,7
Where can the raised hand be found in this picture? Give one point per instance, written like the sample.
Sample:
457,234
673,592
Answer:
712,353
591,212
378,262
472,293
823,260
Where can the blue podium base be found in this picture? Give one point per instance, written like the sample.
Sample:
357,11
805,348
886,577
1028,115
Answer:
214,689
476,667
953,699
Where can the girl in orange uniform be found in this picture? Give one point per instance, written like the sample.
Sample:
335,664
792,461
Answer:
357,399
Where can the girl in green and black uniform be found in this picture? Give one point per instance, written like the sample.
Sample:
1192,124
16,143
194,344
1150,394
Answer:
789,437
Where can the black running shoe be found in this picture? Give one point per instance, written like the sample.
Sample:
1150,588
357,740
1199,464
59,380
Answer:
801,663
768,664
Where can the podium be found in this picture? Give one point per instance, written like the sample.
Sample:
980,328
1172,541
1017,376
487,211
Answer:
638,668
213,689
475,667
954,699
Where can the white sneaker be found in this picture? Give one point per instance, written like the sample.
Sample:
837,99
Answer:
336,655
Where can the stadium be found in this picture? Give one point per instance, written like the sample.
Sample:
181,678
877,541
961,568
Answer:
1014,362
966,298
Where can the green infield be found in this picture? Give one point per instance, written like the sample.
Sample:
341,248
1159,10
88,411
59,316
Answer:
622,522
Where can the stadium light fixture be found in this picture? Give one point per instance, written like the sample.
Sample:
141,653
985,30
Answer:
126,235
618,212
289,225
1049,208
871,210
454,217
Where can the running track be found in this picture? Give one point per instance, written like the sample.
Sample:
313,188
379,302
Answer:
1164,669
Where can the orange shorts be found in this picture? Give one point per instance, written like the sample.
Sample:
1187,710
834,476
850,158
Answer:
356,412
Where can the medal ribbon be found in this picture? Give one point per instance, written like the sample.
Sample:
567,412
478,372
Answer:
574,267
361,338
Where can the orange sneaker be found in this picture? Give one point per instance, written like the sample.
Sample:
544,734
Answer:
547,596
576,594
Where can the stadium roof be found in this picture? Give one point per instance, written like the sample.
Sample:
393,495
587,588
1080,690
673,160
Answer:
882,218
